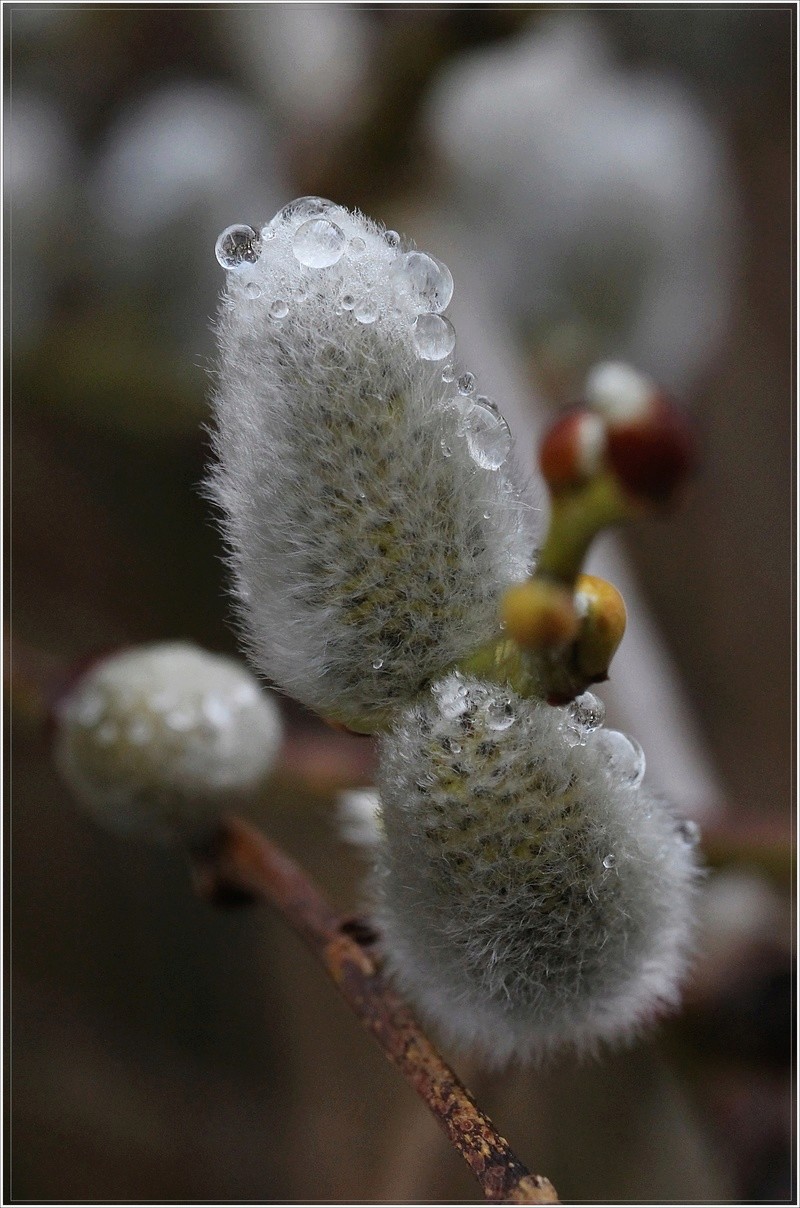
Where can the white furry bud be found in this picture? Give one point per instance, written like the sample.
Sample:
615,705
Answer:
532,895
359,818
165,737
620,393
369,505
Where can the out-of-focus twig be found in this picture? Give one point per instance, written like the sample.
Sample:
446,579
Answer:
240,862
764,844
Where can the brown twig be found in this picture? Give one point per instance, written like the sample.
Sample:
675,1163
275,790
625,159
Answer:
241,862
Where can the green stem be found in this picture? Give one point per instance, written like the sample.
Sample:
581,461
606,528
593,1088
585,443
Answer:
577,517
502,661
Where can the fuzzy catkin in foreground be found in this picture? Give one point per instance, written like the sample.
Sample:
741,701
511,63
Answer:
369,547
531,897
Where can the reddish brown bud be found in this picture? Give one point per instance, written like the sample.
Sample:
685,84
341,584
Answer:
572,449
653,455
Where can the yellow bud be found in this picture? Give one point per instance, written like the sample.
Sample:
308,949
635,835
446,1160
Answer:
539,614
603,620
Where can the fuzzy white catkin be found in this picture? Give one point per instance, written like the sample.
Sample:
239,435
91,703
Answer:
161,739
371,532
532,895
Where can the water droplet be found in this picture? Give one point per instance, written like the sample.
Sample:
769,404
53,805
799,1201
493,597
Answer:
446,449
466,383
392,238
252,290
318,243
623,757
610,860
300,209
499,713
348,301
448,374
574,736
689,832
366,310
377,664
357,246
588,711
488,436
279,309
427,282
483,400
434,337
487,515
237,246
452,697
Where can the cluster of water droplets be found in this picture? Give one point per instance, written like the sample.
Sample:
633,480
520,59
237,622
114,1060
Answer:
321,235
453,696
480,422
490,706
622,757
498,712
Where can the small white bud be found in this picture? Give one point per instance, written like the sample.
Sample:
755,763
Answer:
359,816
370,509
164,738
619,392
531,896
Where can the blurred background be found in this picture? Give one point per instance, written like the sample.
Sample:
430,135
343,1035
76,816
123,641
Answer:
604,183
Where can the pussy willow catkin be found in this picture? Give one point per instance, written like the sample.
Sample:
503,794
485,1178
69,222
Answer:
531,892
371,508
161,739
